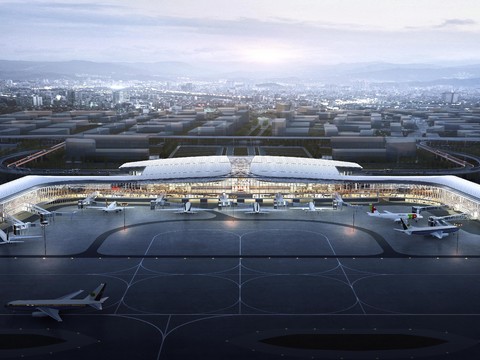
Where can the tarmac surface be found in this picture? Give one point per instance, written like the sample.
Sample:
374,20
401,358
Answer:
222,284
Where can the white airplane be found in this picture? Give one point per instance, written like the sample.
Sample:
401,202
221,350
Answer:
393,216
340,202
6,238
112,207
310,208
52,307
88,200
161,200
187,209
279,201
224,201
439,231
256,209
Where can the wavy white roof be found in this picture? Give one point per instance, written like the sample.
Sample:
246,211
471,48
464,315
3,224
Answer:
187,167
260,166
300,168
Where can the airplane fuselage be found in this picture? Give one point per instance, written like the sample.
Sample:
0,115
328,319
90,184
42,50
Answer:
396,216
429,230
53,304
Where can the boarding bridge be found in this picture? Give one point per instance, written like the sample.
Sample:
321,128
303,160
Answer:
37,210
17,225
14,221
443,219
419,209
44,214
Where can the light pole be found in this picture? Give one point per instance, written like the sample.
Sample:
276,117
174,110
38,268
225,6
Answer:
44,224
457,243
124,205
353,219
44,240
457,225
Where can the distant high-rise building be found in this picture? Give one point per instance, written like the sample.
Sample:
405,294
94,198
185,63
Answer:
118,97
37,101
71,97
450,97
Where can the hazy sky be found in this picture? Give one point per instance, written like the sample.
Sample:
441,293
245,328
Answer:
268,32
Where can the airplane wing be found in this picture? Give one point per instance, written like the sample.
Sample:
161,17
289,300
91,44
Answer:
256,212
70,296
438,234
307,208
97,207
186,208
23,237
64,213
53,313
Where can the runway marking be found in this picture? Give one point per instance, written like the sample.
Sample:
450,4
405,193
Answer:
164,335
133,277
346,277
242,278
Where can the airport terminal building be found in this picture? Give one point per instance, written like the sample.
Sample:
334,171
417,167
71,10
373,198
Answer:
242,177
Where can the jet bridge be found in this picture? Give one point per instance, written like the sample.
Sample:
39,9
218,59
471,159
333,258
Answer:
443,220
419,209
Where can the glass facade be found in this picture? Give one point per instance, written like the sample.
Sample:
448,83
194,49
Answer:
430,194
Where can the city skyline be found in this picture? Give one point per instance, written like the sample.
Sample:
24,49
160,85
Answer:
248,34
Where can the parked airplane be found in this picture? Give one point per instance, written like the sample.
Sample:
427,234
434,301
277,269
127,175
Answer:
256,209
340,202
279,201
52,307
112,207
311,207
88,200
224,201
187,209
161,200
6,238
439,231
393,216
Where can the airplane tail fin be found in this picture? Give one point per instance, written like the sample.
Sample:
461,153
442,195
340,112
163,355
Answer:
98,305
404,226
3,236
96,295
339,200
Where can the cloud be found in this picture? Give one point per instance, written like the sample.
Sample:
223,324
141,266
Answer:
456,22
98,31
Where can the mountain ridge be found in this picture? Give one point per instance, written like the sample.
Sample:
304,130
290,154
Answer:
378,72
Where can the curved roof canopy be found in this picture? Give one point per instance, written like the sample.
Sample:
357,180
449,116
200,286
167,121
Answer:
238,166
179,168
